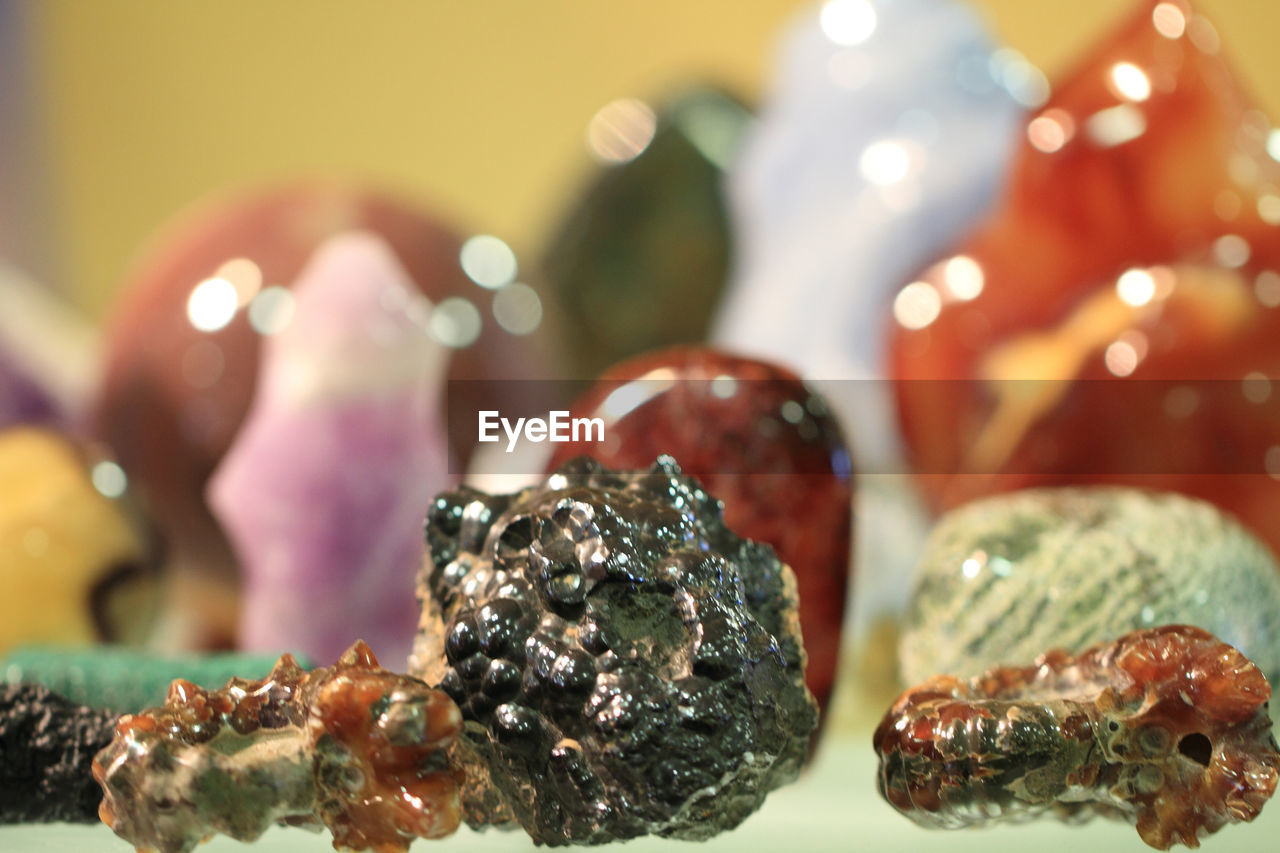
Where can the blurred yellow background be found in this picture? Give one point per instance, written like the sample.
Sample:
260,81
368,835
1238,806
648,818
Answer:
476,108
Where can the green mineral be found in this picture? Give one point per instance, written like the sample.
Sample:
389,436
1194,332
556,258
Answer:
124,680
1007,578
640,260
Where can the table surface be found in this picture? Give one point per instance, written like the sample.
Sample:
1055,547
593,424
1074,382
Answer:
833,807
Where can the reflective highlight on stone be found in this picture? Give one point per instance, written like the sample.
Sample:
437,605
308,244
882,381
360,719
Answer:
761,441
1004,578
352,747
626,664
1166,728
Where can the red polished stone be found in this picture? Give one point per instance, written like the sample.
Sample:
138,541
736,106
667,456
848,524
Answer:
1165,727
762,443
1138,239
174,397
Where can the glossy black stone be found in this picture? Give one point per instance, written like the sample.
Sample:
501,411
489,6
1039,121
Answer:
627,664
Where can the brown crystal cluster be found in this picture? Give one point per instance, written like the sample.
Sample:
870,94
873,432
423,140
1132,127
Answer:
1166,728
352,746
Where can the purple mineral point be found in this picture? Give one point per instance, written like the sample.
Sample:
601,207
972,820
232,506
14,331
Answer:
22,401
324,490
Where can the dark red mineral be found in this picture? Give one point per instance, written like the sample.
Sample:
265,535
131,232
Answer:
759,440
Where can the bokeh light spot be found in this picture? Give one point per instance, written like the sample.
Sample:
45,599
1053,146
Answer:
488,261
109,479
271,310
917,305
517,308
212,304
848,22
621,130
455,322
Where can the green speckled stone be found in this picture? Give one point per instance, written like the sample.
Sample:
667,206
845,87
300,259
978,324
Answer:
1004,579
125,680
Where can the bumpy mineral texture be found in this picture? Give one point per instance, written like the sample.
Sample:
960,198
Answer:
761,441
352,746
47,744
1004,578
625,663
1166,728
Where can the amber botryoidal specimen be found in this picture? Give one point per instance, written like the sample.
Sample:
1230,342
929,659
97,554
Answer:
351,746
1166,728
625,663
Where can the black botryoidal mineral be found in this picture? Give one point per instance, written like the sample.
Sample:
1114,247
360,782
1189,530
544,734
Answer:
625,664
47,745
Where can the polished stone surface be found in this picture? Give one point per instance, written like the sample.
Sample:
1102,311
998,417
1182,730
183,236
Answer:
1115,320
78,563
183,347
